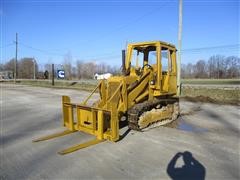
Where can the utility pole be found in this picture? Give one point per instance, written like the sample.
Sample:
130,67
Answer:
15,64
179,48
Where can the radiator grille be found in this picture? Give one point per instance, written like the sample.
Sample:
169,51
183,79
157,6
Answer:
112,87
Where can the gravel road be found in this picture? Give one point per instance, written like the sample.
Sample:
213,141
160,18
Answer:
205,143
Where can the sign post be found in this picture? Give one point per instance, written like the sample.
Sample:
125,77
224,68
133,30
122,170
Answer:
52,74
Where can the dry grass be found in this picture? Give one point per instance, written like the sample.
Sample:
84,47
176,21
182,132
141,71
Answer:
214,94
212,81
86,85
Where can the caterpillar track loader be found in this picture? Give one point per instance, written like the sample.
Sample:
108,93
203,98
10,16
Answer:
145,95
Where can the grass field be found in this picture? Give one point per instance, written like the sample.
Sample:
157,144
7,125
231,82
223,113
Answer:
212,81
91,82
86,85
218,93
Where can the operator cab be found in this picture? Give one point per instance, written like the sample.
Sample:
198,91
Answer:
157,57
143,58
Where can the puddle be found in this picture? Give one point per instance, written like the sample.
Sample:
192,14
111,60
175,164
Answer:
183,125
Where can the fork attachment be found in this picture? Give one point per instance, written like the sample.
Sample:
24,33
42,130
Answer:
101,123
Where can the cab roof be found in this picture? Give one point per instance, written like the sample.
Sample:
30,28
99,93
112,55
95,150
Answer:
146,43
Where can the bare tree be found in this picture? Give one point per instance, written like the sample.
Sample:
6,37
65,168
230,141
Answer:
115,70
104,68
183,71
89,70
26,68
217,66
214,66
74,72
48,67
79,66
67,65
200,69
9,66
189,70
233,66
1,67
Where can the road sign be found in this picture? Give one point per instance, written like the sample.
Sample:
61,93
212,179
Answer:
61,74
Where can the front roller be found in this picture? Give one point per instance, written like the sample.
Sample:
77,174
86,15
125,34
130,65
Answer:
101,123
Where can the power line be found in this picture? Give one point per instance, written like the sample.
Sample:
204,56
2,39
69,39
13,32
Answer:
229,47
225,47
109,55
232,47
105,58
118,1
96,57
101,55
7,45
96,2
131,22
214,47
104,36
40,50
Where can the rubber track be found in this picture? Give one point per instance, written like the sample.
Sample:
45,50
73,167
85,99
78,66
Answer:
136,111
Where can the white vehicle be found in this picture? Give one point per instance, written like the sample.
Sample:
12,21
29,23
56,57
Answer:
102,76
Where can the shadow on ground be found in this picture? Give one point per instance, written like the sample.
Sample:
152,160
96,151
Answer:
122,125
191,169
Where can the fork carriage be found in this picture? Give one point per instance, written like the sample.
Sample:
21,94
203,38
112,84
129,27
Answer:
101,122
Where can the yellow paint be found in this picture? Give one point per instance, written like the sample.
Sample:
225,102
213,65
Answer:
119,93
80,146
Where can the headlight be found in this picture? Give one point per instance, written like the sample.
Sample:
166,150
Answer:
152,82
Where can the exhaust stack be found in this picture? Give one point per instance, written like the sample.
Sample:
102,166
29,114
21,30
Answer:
123,62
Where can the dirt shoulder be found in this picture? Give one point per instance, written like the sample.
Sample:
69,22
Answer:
214,93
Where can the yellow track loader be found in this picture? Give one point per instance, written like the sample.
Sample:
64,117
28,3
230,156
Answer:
145,95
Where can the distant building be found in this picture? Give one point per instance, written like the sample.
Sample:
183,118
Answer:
6,75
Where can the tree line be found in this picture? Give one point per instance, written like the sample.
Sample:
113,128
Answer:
217,66
28,67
